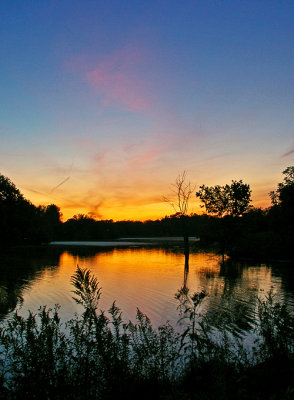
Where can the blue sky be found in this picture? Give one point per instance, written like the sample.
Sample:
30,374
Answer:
103,103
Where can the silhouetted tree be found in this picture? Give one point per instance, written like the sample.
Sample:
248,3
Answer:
281,214
51,219
228,202
20,221
183,191
231,199
13,209
8,191
284,195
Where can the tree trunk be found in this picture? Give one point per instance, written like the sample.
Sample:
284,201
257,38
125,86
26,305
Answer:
187,249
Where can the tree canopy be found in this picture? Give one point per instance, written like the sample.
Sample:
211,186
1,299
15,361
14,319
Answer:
8,190
284,195
23,223
231,199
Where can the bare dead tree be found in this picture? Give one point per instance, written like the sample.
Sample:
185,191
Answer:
182,190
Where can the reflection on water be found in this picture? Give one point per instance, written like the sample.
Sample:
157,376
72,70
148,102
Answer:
19,269
146,278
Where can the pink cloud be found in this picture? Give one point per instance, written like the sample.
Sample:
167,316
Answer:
117,78
145,152
288,153
146,156
100,160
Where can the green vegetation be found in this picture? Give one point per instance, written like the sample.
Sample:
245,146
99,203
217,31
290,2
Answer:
100,356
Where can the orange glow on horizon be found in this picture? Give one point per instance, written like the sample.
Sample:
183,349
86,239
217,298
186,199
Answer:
127,198
133,211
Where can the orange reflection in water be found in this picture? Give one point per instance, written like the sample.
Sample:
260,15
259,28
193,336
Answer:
143,278
149,278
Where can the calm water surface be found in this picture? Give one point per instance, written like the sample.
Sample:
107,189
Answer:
147,278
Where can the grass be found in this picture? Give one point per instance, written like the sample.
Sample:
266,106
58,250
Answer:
94,356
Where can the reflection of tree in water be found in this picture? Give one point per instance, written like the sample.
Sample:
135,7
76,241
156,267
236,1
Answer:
85,251
234,287
285,271
231,300
186,273
19,268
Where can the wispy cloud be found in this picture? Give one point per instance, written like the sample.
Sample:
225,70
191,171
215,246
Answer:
35,191
117,78
4,154
100,160
288,153
95,210
61,183
143,154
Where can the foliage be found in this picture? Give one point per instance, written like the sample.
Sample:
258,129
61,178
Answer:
231,199
87,290
282,212
195,329
285,188
230,202
94,356
276,328
8,191
23,223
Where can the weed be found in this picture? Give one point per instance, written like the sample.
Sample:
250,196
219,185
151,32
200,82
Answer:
95,356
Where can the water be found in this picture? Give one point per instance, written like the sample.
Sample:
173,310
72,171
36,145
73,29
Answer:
142,277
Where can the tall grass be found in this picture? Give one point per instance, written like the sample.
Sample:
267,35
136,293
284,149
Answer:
100,356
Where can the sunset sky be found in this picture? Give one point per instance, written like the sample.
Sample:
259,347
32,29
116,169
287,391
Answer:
104,103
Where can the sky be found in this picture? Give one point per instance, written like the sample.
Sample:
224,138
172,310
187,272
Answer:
105,103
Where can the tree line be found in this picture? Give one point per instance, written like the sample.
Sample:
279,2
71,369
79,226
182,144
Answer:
241,230
21,222
229,223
